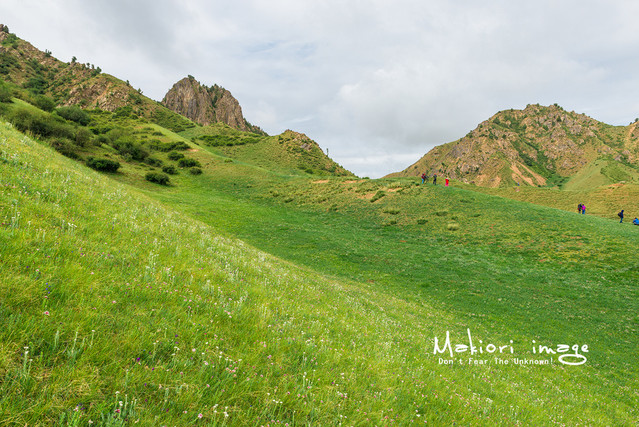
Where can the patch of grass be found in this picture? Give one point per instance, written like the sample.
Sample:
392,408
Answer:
378,196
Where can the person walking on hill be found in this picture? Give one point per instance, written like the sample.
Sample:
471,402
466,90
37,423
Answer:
583,209
423,177
446,182
620,215
434,179
579,206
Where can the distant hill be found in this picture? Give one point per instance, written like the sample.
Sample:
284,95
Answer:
537,146
207,105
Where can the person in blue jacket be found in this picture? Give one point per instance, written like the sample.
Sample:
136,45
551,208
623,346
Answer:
635,221
620,215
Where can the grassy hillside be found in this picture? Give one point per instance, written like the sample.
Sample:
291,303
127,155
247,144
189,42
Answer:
289,153
117,308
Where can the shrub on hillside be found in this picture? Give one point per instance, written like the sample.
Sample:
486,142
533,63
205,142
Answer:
188,163
156,144
153,161
101,139
158,178
103,165
5,93
44,103
174,155
40,123
74,114
195,171
65,147
130,149
36,85
171,170
83,136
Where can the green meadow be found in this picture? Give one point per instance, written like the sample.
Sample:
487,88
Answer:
251,295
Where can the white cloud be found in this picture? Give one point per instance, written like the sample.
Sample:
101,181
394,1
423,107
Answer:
370,80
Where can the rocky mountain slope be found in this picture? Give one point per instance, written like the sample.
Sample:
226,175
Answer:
536,146
74,83
206,105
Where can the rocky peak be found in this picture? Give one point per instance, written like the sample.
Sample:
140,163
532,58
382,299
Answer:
206,105
528,147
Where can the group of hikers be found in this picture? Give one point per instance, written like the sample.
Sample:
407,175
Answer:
581,208
424,177
621,215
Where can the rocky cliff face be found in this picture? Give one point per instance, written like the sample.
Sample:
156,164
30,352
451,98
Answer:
206,105
535,146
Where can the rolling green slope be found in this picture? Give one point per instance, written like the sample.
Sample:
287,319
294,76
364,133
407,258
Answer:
127,309
289,153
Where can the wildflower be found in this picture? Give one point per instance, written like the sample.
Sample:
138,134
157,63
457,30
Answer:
200,415
46,313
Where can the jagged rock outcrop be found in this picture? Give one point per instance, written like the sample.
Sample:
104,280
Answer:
206,105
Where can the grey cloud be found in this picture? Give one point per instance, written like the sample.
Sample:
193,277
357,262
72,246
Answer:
369,80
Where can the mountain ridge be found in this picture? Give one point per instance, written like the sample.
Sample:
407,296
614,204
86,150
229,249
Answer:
537,146
76,84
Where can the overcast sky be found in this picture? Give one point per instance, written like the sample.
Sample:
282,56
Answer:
376,82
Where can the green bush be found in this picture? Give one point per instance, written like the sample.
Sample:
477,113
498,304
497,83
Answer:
83,136
65,147
6,94
131,149
158,178
40,123
74,114
44,103
174,155
171,170
156,144
103,165
187,163
36,85
195,171
154,161
101,139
